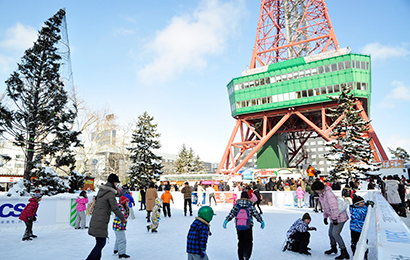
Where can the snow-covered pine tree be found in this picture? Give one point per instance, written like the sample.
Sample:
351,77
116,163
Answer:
350,152
400,154
188,163
39,116
145,164
199,166
181,164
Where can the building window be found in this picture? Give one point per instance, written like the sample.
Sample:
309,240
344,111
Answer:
334,67
341,65
330,89
348,65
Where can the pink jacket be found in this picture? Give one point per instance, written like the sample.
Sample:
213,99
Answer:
300,193
330,207
81,203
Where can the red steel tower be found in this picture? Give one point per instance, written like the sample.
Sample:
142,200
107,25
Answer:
293,36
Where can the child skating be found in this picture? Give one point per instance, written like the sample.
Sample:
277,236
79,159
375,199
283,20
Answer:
197,238
119,227
243,212
28,215
155,217
82,201
298,236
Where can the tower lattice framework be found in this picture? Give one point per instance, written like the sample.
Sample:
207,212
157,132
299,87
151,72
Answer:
288,29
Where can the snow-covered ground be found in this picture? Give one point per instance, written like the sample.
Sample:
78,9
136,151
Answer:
63,242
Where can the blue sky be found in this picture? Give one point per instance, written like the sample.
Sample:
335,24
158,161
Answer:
174,59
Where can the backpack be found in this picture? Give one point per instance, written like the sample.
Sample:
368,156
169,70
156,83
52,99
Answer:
91,206
254,198
243,221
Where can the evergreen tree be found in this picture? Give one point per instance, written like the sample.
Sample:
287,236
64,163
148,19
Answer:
188,163
181,163
400,154
39,116
350,152
145,164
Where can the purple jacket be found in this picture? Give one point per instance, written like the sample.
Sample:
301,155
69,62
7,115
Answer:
330,208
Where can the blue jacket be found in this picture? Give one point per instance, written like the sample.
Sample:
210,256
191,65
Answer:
357,217
131,200
197,236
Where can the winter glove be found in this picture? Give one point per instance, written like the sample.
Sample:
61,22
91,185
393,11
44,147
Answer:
34,218
225,223
325,221
369,203
334,221
262,224
29,219
312,228
203,252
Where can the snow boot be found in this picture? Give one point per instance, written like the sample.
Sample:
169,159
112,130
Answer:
26,238
124,256
344,254
115,252
148,228
33,236
305,253
331,250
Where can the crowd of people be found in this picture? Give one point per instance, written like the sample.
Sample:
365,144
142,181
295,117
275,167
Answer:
112,197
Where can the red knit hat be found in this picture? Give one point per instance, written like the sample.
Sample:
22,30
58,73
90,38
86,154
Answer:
124,200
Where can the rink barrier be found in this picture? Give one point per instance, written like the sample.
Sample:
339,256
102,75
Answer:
393,235
362,244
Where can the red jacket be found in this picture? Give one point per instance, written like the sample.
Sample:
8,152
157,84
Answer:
30,210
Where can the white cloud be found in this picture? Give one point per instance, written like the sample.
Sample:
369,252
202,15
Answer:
381,52
19,37
189,40
123,32
16,40
5,63
400,92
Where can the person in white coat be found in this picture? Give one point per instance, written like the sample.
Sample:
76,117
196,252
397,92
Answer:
392,193
200,194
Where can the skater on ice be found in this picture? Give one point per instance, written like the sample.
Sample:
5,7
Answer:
28,215
198,233
243,212
298,236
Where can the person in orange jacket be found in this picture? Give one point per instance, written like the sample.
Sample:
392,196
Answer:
166,198
311,172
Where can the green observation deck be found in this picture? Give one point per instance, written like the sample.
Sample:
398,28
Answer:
300,81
